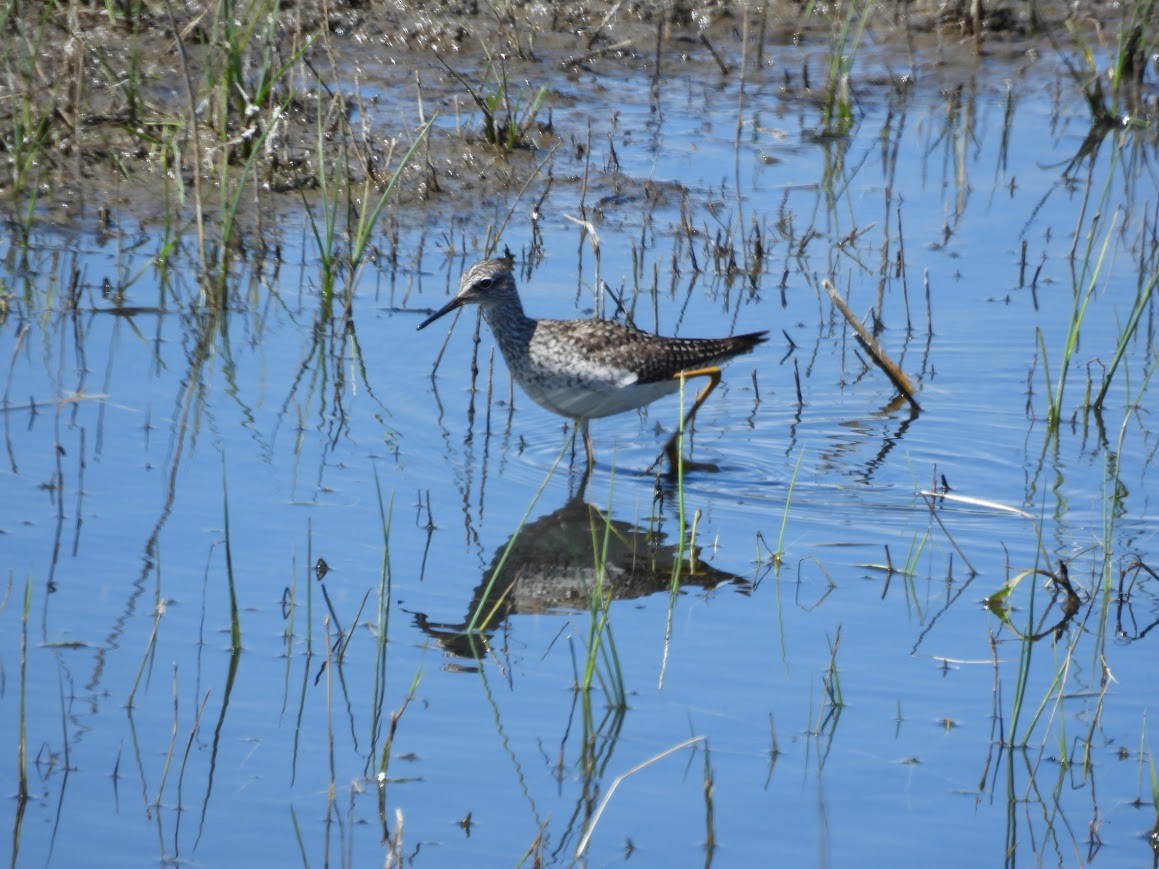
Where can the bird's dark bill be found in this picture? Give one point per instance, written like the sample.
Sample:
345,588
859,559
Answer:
446,309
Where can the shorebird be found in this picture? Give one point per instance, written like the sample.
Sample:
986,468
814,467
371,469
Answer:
586,369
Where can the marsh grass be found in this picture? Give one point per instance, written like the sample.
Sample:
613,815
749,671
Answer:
350,213
382,779
22,724
709,788
1128,334
230,133
1076,616
1072,612
831,678
99,97
597,741
380,683
289,619
602,659
328,705
382,619
310,588
777,555
234,617
1135,43
837,114
298,837
1086,285
242,78
307,654
681,530
917,546
509,116
28,133
1154,786
159,607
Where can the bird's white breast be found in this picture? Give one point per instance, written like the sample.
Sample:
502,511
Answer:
593,400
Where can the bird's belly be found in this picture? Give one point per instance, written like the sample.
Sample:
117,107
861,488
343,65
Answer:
594,400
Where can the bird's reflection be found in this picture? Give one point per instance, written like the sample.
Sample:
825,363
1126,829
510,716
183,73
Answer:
552,565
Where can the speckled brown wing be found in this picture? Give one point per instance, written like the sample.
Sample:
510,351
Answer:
674,355
653,358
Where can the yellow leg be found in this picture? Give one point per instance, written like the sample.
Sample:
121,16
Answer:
671,448
583,423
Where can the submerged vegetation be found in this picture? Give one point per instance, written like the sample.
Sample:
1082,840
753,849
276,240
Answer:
276,563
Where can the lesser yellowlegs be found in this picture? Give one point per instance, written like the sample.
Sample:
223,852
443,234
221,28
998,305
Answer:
586,369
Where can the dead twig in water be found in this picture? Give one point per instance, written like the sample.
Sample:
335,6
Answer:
874,349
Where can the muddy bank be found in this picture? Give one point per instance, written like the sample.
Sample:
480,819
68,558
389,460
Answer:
295,104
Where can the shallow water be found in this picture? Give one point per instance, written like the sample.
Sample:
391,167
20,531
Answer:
154,453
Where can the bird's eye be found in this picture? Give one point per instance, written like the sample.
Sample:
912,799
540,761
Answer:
485,283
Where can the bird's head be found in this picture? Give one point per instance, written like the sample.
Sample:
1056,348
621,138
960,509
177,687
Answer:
486,283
